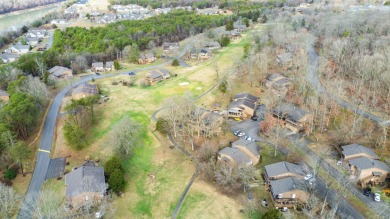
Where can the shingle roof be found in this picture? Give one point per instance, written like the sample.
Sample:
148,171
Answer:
8,56
238,103
274,76
84,179
212,44
97,64
363,163
285,57
4,93
109,64
289,111
249,145
154,74
86,88
238,156
20,47
163,71
246,96
353,149
58,71
287,184
283,167
211,117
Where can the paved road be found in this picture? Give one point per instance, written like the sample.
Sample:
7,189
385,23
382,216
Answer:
313,78
43,157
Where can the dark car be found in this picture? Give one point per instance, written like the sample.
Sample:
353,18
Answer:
131,73
254,118
367,191
97,73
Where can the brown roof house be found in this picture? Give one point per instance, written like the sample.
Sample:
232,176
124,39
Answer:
145,58
356,150
170,46
4,96
84,90
369,171
292,117
61,72
212,45
243,106
282,170
250,148
288,192
279,84
97,66
86,183
155,76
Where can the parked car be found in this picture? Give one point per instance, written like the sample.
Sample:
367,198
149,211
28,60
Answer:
97,73
131,73
308,176
312,180
254,118
339,163
284,209
237,132
367,191
377,197
247,138
241,134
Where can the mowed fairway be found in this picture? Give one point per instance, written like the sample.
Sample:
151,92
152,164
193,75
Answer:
156,173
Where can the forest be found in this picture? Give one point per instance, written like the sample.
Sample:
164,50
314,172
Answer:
171,27
7,6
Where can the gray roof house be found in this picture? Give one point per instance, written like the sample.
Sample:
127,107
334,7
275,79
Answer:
356,150
4,96
277,80
234,155
212,45
285,185
9,57
84,90
250,148
84,183
245,96
284,58
367,163
97,66
110,66
288,192
293,117
18,49
32,41
369,171
60,72
282,169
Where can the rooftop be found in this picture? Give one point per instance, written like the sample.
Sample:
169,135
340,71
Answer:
249,145
287,184
245,96
353,149
281,168
86,88
364,163
85,179
58,71
238,156
289,111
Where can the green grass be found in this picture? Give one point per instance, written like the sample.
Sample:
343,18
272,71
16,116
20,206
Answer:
190,202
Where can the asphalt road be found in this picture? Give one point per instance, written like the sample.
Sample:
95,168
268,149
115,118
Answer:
43,157
312,77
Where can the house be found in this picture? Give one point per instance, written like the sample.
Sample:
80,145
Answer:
292,117
58,21
369,171
84,90
234,155
9,57
284,59
250,148
145,58
205,54
356,150
239,26
288,192
61,72
86,183
18,49
4,96
70,10
97,66
233,34
157,75
81,2
41,47
206,121
109,66
279,83
32,41
243,106
40,33
282,170
170,46
212,45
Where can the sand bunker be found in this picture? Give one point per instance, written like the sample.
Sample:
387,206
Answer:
184,83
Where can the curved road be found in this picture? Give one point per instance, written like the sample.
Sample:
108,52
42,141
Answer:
313,78
43,157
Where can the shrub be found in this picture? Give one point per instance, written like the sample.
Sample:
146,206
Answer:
111,165
175,62
10,174
162,125
117,181
224,41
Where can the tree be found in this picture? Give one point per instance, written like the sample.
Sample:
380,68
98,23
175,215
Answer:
245,174
246,21
229,25
36,88
126,135
19,153
116,65
134,54
10,174
272,213
117,181
9,201
224,41
175,62
75,136
111,165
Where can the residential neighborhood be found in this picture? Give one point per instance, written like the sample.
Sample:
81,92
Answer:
194,109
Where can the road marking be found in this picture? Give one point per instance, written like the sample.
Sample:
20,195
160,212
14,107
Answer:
44,150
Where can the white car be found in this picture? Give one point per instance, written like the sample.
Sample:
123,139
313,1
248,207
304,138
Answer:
248,138
308,176
377,197
312,180
339,163
241,134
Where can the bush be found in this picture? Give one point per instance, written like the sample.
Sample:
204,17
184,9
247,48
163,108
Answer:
10,174
75,136
111,165
117,181
224,41
175,62
272,214
162,125
223,86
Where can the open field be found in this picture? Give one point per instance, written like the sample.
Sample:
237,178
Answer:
14,20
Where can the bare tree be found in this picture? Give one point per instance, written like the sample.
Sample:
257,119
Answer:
125,135
36,88
9,201
41,65
245,174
